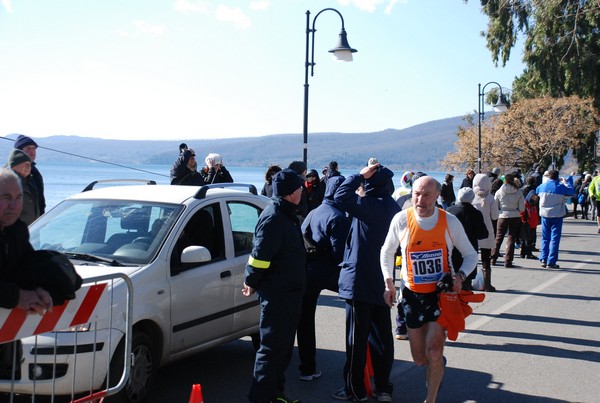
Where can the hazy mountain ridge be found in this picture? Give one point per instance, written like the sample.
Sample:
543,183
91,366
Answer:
418,147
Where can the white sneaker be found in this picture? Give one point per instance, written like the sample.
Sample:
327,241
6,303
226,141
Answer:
311,377
382,397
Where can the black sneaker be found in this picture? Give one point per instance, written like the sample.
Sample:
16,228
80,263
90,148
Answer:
543,263
554,266
345,394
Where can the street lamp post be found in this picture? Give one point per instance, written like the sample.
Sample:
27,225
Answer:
500,106
342,52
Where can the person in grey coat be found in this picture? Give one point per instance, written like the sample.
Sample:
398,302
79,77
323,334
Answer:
485,203
510,205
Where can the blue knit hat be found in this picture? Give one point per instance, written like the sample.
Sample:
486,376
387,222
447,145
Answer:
286,182
23,141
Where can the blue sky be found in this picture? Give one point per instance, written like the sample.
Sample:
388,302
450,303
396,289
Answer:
198,69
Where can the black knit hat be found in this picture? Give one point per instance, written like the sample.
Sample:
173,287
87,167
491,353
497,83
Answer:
298,166
17,157
286,182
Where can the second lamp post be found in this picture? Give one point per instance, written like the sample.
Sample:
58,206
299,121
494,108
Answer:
500,106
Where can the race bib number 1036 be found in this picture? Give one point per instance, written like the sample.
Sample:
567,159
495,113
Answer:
427,266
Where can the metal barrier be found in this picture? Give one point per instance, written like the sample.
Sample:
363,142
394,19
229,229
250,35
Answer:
78,350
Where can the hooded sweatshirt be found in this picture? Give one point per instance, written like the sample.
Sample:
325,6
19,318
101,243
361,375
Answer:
484,202
329,228
361,278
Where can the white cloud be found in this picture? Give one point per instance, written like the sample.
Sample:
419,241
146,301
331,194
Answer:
142,28
233,15
260,4
371,5
198,6
223,13
7,5
390,6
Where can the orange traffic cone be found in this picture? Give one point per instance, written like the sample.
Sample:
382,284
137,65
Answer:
368,373
196,396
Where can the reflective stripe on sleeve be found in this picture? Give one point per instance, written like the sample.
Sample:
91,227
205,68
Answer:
259,264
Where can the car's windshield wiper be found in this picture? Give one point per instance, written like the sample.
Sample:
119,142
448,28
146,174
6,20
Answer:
93,258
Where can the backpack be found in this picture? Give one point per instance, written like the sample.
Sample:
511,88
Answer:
582,198
312,249
52,271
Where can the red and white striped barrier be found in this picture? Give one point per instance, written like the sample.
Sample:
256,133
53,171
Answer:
16,323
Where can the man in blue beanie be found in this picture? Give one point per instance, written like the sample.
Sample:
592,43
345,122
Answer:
368,319
276,271
29,147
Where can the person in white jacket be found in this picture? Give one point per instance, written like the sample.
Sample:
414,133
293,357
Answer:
426,235
511,203
485,203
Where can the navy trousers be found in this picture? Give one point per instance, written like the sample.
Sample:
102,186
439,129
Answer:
278,321
368,324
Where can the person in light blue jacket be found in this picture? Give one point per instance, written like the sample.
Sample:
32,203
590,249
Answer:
553,197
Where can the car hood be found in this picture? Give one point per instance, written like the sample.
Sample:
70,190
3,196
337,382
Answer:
87,271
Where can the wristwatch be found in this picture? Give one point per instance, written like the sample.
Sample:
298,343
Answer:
462,274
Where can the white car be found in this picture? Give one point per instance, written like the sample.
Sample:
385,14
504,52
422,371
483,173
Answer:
184,248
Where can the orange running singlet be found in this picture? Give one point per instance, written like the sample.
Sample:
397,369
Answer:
426,253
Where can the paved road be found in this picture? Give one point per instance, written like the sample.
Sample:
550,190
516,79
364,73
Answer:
535,340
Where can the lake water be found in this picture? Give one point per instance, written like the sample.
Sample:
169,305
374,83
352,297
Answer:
64,180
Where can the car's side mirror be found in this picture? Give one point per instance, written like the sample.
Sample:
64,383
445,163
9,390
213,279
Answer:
195,254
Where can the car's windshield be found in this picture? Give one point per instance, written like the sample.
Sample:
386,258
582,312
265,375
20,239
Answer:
128,232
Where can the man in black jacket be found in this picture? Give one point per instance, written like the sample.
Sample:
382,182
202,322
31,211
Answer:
447,195
276,271
185,170
15,249
29,147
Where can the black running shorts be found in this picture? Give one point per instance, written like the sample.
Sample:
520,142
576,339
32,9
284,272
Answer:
419,308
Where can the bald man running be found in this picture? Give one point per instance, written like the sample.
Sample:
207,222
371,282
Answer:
427,235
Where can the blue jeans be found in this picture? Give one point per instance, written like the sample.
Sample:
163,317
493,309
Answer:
551,232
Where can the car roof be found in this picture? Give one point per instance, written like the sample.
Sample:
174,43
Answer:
175,194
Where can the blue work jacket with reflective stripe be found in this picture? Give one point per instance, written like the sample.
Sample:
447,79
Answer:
277,263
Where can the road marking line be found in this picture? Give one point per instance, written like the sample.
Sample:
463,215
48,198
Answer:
492,315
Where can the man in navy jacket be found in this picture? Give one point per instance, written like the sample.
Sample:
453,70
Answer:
361,284
276,271
329,228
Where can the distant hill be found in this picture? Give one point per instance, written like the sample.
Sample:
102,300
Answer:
418,147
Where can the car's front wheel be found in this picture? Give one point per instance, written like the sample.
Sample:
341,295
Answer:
143,366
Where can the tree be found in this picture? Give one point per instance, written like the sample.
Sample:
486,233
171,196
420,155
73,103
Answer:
540,130
561,47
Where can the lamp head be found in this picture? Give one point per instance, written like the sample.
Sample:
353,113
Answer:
343,52
502,105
